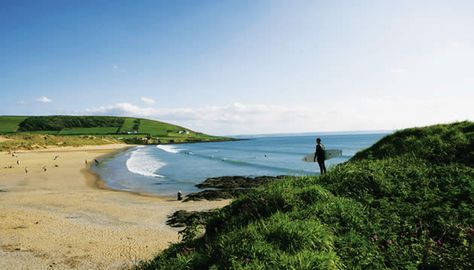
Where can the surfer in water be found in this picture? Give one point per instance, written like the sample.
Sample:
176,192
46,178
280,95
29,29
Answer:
319,156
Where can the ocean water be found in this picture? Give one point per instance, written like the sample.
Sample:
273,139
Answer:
165,169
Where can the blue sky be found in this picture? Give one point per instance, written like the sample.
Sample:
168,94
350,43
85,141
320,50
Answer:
237,67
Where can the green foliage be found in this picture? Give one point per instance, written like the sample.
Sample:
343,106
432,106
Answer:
437,144
60,122
278,242
9,124
405,203
415,205
90,131
130,125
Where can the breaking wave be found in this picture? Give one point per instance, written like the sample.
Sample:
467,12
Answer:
141,163
169,148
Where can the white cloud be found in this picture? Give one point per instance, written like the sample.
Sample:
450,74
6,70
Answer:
44,99
148,101
397,70
229,119
123,109
456,44
117,68
334,115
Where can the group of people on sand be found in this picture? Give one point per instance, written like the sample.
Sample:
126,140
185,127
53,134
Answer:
43,168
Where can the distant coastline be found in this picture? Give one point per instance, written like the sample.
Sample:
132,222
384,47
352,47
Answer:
362,132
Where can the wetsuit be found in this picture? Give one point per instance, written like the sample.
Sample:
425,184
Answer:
319,156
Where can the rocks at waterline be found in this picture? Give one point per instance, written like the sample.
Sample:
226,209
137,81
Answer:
228,187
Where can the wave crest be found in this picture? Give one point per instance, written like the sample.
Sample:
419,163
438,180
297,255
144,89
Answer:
141,163
169,148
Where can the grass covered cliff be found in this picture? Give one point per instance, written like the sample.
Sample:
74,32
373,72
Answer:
404,203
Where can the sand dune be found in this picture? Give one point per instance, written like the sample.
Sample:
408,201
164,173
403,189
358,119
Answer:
59,219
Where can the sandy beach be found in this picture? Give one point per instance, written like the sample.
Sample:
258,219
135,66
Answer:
54,216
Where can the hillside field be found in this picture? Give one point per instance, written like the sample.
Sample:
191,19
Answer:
9,124
111,128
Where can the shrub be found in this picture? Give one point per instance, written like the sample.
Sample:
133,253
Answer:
35,123
405,203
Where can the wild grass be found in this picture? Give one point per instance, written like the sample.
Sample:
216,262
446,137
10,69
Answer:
405,203
38,141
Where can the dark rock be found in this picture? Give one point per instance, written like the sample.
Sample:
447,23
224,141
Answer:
228,187
228,182
214,194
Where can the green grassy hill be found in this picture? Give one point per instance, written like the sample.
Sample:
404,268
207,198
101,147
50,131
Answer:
9,124
109,128
404,203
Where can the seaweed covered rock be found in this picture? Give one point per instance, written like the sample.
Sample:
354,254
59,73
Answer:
214,194
228,182
228,187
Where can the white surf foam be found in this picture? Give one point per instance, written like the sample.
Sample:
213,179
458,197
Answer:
141,163
169,148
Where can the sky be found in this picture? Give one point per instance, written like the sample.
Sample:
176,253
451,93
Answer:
241,67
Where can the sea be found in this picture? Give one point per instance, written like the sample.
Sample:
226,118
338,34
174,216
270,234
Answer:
164,170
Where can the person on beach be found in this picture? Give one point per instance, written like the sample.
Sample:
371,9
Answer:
26,169
319,156
180,195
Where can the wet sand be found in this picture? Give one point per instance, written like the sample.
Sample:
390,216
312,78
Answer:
63,218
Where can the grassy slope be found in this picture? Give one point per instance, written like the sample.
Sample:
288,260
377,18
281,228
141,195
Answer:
149,131
128,125
438,144
404,203
156,128
91,131
9,124
37,141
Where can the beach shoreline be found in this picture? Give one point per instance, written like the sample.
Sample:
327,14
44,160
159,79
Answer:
66,217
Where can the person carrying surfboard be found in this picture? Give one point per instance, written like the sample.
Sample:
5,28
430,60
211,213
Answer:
319,156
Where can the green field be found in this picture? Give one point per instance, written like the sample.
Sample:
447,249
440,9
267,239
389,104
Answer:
156,128
128,125
46,132
89,131
125,129
9,124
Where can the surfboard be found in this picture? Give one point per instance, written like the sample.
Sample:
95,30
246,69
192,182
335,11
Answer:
329,153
